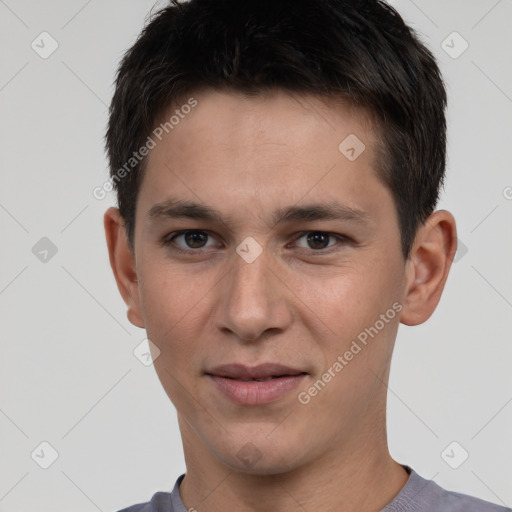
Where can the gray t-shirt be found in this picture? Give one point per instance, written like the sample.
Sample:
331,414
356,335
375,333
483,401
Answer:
417,495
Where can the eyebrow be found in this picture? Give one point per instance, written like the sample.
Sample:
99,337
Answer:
332,210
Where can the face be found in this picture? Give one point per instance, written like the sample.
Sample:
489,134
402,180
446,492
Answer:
263,250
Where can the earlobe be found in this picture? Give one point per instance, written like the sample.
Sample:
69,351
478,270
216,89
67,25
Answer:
122,261
428,266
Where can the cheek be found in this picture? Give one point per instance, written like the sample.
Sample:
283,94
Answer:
346,308
171,305
168,294
346,300
162,301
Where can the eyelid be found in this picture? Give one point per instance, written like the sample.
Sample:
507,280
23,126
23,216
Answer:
339,237
342,239
169,239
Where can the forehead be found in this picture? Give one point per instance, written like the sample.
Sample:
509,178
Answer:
273,149
231,119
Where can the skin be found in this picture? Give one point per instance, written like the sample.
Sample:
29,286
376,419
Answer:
296,304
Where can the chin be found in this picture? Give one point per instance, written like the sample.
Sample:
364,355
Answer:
267,465
262,457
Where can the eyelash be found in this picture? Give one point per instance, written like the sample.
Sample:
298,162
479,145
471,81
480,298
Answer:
168,241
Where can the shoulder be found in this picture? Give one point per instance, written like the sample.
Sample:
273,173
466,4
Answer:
421,495
457,502
160,502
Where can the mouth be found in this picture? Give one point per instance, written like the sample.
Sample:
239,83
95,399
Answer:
255,385
260,373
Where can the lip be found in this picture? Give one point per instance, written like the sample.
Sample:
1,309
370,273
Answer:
237,382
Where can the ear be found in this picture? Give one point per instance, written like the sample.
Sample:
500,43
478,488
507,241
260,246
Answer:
427,267
122,261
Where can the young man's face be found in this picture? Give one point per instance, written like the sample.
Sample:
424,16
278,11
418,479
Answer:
300,303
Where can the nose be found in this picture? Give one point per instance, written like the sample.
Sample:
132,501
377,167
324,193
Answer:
253,301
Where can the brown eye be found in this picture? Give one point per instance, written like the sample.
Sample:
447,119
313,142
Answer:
317,240
195,239
191,239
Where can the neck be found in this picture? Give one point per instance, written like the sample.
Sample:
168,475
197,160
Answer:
360,475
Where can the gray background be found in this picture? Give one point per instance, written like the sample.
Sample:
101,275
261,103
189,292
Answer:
68,375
